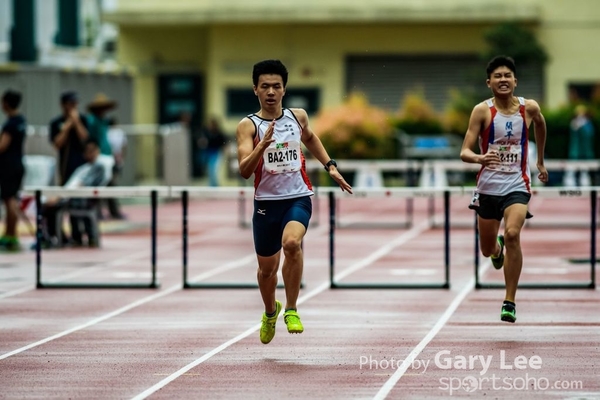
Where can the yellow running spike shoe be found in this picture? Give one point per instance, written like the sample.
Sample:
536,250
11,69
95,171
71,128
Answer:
267,329
292,320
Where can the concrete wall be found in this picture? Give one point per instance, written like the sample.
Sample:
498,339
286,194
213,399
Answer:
222,40
570,31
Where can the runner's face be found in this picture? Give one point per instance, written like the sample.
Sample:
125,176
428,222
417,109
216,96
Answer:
270,91
502,81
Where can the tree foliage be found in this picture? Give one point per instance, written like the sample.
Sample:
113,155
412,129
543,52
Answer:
516,41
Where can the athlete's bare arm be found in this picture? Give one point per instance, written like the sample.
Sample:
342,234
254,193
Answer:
532,109
248,155
477,121
314,145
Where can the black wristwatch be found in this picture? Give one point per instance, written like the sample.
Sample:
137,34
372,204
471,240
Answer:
329,164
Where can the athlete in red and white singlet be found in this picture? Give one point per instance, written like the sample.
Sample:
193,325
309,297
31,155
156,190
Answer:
500,125
281,172
508,136
269,146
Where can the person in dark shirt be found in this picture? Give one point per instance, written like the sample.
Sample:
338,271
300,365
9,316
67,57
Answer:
12,138
68,132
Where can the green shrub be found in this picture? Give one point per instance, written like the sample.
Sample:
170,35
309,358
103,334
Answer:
557,131
356,130
458,111
417,116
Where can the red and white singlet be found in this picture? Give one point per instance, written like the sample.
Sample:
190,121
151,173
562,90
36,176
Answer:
281,173
509,136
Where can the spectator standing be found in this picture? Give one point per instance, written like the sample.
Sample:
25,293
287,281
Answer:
213,141
581,145
68,132
98,124
12,138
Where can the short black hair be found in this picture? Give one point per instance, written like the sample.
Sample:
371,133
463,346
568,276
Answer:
69,97
501,61
266,67
12,98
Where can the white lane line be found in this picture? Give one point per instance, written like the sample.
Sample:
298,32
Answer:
382,251
93,321
391,382
16,291
226,267
205,275
172,245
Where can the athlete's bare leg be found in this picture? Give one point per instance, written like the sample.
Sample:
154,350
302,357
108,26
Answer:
267,279
488,233
293,262
514,219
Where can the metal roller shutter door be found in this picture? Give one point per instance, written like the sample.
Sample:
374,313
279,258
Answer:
387,79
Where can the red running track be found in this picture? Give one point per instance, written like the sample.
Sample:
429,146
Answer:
400,344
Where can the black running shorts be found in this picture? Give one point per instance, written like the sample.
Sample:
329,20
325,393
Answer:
492,207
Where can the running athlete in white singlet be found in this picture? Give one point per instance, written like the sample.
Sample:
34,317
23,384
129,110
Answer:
269,146
500,126
507,135
281,172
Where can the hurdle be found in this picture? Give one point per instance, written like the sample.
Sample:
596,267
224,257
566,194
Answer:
93,192
562,192
442,167
391,193
409,167
209,193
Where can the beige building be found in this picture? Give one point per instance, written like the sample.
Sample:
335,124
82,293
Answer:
197,55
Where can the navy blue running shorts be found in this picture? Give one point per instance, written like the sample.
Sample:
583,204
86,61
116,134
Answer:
270,218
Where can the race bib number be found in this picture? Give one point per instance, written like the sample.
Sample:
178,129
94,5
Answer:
283,157
510,157
474,201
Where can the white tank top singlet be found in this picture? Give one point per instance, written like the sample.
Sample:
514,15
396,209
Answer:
509,136
281,172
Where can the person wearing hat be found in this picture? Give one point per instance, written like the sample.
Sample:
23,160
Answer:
68,132
98,124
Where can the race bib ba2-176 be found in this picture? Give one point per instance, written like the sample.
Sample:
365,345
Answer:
283,157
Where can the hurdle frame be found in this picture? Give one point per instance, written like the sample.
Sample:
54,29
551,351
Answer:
551,285
93,192
590,166
242,192
409,167
376,285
